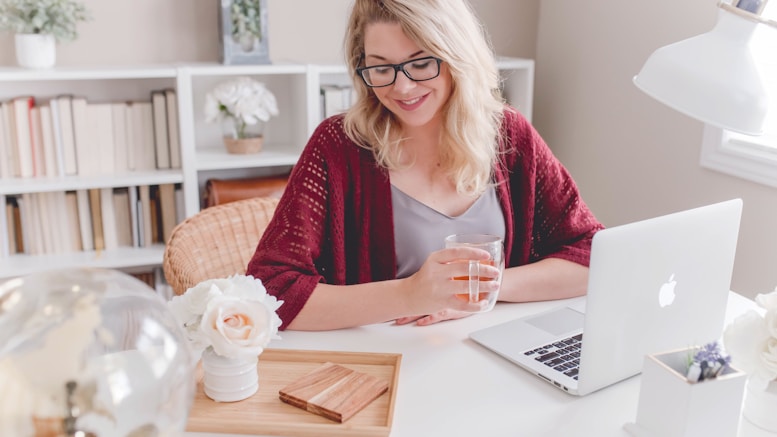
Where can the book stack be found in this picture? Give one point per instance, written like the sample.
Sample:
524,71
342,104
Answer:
92,219
336,99
70,136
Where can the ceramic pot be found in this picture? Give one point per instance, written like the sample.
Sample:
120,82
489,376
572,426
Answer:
35,50
229,379
240,137
761,405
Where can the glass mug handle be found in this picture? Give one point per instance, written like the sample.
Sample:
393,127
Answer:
474,281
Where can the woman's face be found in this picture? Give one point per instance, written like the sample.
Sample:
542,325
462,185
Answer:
415,104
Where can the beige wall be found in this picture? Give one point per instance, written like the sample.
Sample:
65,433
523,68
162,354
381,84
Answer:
632,157
157,31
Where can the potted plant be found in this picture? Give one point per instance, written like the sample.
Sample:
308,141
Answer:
242,106
38,25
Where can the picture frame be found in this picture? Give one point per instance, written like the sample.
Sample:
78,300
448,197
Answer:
243,32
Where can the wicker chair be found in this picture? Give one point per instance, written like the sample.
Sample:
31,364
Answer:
216,242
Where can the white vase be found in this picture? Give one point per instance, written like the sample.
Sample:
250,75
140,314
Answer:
761,406
35,50
229,379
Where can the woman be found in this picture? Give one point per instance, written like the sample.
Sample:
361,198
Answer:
428,147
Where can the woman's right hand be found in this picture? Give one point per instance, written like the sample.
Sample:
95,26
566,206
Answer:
433,288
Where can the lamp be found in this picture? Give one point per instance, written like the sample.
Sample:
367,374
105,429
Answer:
712,77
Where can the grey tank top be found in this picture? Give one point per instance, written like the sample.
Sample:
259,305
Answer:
420,230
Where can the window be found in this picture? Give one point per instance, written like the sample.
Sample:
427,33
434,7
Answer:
749,157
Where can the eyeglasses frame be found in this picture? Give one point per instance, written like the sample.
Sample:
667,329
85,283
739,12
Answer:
397,68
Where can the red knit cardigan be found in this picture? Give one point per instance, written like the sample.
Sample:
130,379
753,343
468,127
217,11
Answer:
334,223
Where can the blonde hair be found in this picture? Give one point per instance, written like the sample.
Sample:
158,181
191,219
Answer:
449,30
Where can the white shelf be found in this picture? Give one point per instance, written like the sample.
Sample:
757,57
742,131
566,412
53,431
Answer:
217,159
297,89
71,183
122,258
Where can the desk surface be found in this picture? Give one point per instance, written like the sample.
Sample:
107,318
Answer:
433,399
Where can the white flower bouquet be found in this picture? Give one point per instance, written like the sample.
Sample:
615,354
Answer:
751,339
244,100
235,316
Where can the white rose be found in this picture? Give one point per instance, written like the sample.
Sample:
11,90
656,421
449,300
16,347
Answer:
237,327
747,339
768,301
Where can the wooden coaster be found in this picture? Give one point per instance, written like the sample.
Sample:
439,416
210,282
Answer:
333,391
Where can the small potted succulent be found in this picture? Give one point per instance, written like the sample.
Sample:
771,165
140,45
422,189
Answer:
38,25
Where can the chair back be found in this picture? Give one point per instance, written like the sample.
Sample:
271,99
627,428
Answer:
216,242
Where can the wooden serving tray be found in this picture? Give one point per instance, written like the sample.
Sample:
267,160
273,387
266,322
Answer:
265,414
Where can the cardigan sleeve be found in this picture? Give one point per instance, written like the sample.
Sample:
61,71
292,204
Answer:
551,218
288,256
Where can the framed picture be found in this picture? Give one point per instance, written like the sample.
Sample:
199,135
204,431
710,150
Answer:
243,32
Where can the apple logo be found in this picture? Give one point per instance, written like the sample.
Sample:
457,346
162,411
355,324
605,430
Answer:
666,294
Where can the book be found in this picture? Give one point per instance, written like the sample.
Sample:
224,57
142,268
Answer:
161,139
66,129
335,99
120,139
101,129
6,157
85,220
135,216
26,223
122,211
50,166
36,141
95,210
155,211
9,247
142,145
87,159
17,224
144,213
73,225
167,210
173,134
180,204
110,233
46,224
23,135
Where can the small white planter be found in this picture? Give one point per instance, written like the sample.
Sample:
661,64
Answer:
670,406
35,50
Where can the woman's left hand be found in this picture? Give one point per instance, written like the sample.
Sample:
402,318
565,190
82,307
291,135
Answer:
440,316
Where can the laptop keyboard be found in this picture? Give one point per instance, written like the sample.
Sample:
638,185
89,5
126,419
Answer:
562,355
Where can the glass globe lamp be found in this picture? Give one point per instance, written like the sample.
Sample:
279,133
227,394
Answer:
91,352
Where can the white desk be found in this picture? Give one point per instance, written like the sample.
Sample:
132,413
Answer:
440,395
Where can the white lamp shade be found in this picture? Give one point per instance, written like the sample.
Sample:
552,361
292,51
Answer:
711,77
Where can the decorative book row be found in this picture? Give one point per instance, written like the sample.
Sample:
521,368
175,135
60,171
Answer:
69,136
91,219
336,99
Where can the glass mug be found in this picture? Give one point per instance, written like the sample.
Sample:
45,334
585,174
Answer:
491,244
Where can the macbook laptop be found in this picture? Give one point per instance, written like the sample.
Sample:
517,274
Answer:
654,285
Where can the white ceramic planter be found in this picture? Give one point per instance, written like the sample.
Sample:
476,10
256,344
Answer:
670,406
761,406
35,50
229,379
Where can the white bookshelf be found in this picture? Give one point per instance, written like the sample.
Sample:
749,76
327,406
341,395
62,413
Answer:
295,85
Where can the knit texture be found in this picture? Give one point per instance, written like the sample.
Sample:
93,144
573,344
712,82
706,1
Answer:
334,223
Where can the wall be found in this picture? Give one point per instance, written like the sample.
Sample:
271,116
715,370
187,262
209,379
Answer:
126,32
633,157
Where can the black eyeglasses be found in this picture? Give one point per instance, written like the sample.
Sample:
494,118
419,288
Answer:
417,70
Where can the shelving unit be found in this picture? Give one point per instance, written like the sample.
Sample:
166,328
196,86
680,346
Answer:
296,87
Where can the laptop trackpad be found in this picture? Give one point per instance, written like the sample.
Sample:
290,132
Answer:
559,321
